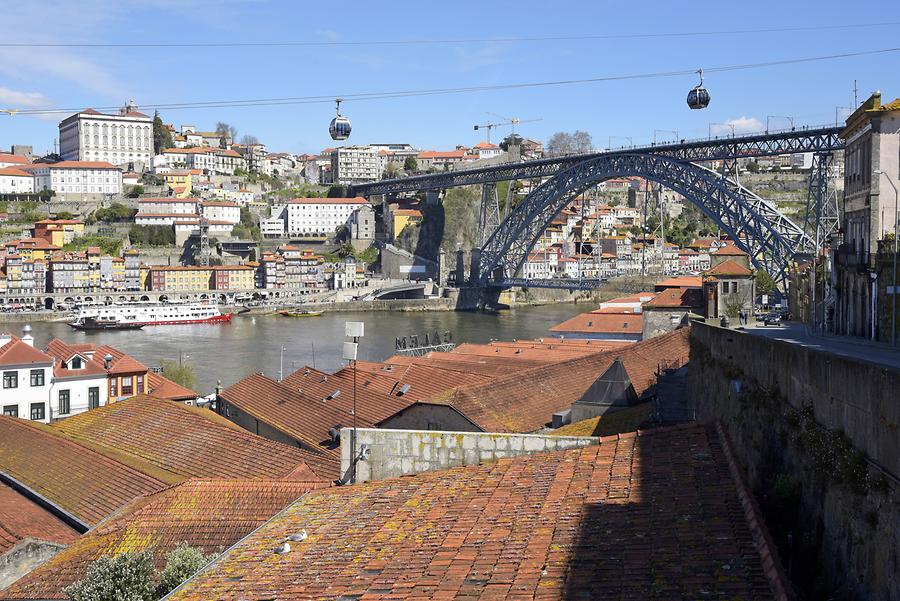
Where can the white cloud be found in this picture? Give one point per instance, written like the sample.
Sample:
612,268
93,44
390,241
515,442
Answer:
742,125
18,99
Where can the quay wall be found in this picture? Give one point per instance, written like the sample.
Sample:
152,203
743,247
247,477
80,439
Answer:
818,441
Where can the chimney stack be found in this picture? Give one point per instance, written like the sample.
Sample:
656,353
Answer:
27,338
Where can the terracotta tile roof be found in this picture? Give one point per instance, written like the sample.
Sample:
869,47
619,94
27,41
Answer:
80,165
626,420
729,268
162,387
602,323
17,352
654,514
305,417
359,200
525,401
439,154
210,514
376,397
14,172
681,281
730,250
83,482
121,363
21,518
190,442
63,352
13,158
677,298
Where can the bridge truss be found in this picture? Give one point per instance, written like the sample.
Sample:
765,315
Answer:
755,224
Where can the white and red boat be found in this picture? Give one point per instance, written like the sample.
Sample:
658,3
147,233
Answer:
154,314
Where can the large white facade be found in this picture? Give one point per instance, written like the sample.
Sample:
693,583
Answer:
15,181
122,139
222,210
317,216
77,179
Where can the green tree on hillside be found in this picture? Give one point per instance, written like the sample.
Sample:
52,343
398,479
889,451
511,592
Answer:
162,137
180,373
764,282
410,164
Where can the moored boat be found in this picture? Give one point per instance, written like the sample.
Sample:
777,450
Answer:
155,314
92,323
300,313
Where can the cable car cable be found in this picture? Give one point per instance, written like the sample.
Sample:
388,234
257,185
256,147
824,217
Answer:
462,90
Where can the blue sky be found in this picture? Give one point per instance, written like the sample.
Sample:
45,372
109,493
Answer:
60,77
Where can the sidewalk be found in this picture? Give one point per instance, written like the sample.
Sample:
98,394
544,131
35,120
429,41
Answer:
845,346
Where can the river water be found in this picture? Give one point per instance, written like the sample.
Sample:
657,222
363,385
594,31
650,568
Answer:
228,352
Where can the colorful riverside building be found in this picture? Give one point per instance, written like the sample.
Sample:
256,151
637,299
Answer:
199,278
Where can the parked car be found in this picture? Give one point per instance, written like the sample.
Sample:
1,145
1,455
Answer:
771,319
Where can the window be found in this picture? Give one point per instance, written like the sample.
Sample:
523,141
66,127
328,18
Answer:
37,377
64,405
127,386
37,411
10,379
77,363
140,384
114,387
11,410
93,397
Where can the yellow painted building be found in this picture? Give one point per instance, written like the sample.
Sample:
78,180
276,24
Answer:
58,232
403,217
179,182
233,277
180,279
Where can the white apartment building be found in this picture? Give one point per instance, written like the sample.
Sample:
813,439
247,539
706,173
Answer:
316,216
486,150
12,160
15,181
221,210
27,378
165,211
122,139
77,180
209,160
354,165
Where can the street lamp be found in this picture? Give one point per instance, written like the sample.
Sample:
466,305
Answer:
665,131
354,330
894,287
770,117
731,125
611,138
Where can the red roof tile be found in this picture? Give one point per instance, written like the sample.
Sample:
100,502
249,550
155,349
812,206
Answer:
602,323
526,401
83,482
190,442
681,281
21,518
654,514
730,250
209,514
729,268
163,388
677,298
17,352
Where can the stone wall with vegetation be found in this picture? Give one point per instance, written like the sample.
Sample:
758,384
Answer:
818,439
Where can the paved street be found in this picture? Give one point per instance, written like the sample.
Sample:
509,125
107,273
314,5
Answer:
857,348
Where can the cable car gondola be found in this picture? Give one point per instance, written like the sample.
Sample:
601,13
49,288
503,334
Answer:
340,125
698,97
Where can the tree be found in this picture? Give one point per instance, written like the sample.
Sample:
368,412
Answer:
410,164
565,143
764,282
735,302
753,167
162,137
226,131
125,577
182,562
337,192
64,215
114,212
135,191
182,373
249,140
392,170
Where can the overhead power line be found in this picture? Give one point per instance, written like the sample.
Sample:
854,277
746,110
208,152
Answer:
444,41
329,98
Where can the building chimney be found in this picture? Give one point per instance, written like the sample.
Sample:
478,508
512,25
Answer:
27,338
107,361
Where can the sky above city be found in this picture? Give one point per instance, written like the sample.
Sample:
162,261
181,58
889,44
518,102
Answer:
65,77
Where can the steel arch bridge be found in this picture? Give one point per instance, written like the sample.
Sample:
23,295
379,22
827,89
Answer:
755,224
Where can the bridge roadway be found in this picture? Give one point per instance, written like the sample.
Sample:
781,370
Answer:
817,139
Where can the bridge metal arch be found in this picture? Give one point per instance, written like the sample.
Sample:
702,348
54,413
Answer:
755,224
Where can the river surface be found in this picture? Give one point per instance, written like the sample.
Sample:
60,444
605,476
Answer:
228,352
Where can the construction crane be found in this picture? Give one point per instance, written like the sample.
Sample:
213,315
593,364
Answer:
488,127
513,122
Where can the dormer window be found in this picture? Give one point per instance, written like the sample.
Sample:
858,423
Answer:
76,363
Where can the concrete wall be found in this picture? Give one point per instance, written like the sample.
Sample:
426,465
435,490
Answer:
401,452
24,557
660,321
797,419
